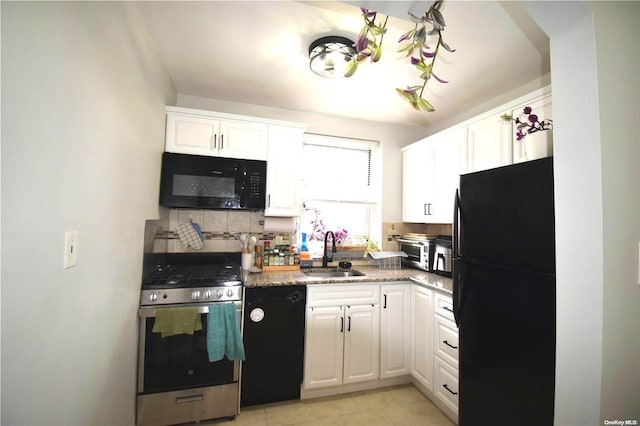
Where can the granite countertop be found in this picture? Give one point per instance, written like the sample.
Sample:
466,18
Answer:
372,274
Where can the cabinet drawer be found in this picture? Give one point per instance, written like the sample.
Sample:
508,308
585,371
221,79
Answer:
446,384
341,295
444,306
445,338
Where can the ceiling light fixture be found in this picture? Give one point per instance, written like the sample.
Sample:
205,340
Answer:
328,56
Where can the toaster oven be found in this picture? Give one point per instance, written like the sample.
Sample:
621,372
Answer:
419,253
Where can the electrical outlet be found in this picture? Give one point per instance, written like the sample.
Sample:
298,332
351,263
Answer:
70,249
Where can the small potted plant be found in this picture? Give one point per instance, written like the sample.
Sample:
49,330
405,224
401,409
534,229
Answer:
529,123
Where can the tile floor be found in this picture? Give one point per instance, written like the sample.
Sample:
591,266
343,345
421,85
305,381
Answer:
393,406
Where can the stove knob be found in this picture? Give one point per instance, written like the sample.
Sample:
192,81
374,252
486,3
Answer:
207,294
195,295
230,292
153,297
220,293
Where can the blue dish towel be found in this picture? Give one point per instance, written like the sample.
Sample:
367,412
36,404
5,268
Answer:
223,333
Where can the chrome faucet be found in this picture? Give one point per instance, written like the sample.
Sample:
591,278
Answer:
326,259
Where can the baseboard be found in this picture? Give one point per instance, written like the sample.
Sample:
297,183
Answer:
353,387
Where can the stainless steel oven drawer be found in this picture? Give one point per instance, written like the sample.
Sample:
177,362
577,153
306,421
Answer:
169,408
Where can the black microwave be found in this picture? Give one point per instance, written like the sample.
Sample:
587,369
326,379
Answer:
196,181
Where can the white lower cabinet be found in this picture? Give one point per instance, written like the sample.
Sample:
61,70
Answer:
342,341
445,343
446,384
422,335
395,328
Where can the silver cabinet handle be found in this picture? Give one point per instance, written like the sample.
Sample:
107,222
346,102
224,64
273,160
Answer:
427,209
215,141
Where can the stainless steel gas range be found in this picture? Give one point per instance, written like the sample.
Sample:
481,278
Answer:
177,382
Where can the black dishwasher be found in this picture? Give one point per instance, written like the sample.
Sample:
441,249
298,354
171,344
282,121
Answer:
274,323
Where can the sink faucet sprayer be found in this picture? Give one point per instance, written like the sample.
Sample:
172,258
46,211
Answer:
325,258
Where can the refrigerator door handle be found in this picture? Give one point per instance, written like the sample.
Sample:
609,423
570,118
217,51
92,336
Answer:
455,259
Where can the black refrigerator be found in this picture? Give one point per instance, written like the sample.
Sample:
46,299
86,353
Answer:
504,294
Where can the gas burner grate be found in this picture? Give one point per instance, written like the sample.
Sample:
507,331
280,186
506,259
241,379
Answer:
184,276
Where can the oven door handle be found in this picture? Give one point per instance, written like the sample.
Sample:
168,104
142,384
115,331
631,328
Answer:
150,312
410,242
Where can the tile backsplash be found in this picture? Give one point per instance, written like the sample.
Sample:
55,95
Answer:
219,228
392,230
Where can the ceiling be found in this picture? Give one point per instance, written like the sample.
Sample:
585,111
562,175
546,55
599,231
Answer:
256,52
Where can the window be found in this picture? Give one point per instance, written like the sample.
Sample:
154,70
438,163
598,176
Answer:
340,189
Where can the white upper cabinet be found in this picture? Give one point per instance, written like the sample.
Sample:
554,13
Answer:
445,163
212,134
283,171
417,185
239,139
488,143
431,167
430,177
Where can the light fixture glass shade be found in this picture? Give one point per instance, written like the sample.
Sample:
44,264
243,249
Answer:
328,56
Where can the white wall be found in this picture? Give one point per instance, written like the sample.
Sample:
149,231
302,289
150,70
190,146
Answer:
619,91
595,99
83,98
391,138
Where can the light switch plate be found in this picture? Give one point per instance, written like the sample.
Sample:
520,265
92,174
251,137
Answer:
70,249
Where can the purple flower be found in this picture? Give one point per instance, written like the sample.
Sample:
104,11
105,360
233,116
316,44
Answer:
533,118
368,13
415,61
361,43
527,110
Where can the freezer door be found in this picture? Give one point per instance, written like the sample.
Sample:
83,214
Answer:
507,346
507,216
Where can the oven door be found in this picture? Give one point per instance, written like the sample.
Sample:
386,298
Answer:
414,251
181,361
195,181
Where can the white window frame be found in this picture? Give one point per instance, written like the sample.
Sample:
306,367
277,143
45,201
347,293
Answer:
374,198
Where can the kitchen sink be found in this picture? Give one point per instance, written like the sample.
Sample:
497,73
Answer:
332,273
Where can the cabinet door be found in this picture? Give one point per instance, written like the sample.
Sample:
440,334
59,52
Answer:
362,343
446,384
489,144
422,335
538,144
324,347
283,171
395,327
417,182
191,135
239,139
445,340
444,162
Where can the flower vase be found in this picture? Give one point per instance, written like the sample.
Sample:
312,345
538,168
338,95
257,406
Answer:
538,145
